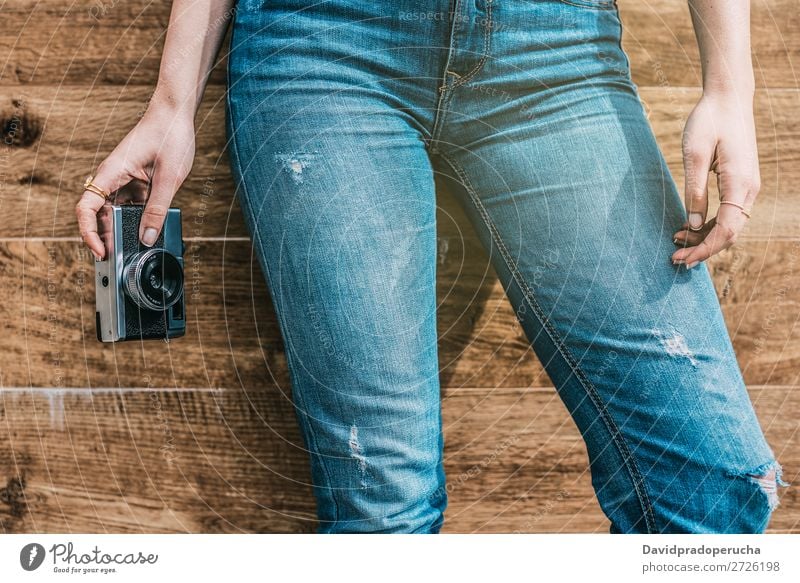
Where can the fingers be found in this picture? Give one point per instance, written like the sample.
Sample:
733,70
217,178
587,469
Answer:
86,211
736,192
109,176
165,184
686,237
728,223
717,235
696,164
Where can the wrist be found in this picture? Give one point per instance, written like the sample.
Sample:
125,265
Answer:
726,86
171,103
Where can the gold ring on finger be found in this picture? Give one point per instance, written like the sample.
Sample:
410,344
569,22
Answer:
736,204
92,187
745,211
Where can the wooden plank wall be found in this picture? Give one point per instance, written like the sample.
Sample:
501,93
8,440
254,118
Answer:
199,436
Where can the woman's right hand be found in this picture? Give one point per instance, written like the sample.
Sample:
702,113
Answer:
155,156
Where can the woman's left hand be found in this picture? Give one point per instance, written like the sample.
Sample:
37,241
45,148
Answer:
719,137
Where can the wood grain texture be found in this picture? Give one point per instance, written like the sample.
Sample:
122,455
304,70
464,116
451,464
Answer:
160,461
233,340
232,461
88,42
64,133
659,39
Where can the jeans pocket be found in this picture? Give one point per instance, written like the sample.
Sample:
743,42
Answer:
595,4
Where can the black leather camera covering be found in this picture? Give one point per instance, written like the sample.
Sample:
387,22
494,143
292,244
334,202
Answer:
139,322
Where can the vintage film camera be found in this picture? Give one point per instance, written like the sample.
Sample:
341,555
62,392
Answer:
139,289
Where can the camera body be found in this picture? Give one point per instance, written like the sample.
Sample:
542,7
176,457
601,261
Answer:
139,289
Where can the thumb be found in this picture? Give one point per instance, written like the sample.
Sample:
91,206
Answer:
164,185
696,163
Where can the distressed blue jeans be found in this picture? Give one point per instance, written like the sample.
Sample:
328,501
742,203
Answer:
340,114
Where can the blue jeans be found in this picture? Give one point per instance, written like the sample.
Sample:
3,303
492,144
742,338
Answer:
339,115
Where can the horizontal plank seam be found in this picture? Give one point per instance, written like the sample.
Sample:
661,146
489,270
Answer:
78,239
540,389
550,388
114,389
218,84
742,238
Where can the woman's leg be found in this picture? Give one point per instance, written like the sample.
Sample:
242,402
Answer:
337,190
563,179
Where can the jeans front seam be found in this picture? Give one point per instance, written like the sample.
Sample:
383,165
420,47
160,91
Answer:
616,436
445,90
444,102
486,44
246,206
443,95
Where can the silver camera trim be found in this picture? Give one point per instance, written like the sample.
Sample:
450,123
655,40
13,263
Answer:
107,300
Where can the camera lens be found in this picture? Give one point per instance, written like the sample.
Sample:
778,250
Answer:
154,279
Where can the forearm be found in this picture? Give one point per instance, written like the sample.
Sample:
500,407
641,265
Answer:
195,33
722,28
